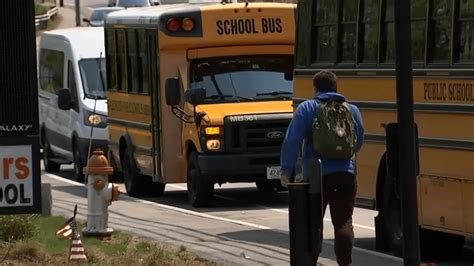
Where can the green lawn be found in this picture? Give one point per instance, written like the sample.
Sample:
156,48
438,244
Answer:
46,248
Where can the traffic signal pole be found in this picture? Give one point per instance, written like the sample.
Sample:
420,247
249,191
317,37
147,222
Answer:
406,133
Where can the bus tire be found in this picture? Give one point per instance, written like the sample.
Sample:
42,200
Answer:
132,178
435,245
266,186
49,165
391,216
78,164
200,189
155,189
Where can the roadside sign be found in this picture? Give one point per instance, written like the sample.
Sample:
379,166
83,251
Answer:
19,176
20,185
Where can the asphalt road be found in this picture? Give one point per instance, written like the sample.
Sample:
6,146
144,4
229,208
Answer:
243,202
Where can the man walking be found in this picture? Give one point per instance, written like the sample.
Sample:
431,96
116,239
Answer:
332,131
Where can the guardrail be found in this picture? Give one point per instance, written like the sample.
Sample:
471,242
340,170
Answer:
44,18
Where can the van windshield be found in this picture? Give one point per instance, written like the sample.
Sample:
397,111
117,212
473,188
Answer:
92,79
244,78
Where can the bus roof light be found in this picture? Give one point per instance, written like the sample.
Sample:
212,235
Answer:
173,24
187,24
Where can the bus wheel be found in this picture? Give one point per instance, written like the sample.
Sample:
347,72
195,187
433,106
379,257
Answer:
49,165
392,218
155,189
78,165
266,186
132,179
436,245
200,190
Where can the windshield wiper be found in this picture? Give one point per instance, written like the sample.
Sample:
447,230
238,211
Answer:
222,96
275,93
95,97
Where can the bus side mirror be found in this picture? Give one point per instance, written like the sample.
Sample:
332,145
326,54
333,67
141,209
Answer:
64,99
195,96
172,91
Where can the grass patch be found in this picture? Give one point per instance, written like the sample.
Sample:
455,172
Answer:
120,249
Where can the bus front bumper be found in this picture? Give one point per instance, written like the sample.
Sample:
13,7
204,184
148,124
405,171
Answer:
222,168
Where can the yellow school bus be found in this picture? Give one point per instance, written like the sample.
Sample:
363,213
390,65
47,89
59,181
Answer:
355,39
199,93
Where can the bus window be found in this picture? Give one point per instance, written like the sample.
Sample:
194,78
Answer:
466,32
370,30
112,59
143,62
122,61
441,16
389,33
348,31
132,61
418,30
325,30
418,25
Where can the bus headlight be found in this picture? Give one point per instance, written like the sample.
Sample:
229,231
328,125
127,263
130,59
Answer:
213,144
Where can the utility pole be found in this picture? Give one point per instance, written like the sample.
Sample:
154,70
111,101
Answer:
78,12
406,134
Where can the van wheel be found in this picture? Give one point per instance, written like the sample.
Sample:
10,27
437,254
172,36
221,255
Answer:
391,215
78,165
132,179
49,165
200,190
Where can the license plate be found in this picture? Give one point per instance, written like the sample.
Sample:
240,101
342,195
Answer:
273,172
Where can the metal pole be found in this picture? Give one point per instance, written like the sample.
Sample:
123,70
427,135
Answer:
299,223
406,131
78,12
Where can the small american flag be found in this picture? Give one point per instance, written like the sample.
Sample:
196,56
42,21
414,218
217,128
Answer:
69,230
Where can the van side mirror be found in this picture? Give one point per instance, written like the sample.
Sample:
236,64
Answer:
172,91
86,20
64,99
195,96
289,76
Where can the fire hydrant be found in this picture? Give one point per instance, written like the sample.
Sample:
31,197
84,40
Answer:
100,194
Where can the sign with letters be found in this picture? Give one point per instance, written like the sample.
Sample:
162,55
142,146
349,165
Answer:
20,186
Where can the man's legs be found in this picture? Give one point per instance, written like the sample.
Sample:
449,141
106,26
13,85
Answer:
341,198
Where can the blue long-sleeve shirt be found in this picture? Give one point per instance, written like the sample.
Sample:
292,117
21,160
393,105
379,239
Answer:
301,129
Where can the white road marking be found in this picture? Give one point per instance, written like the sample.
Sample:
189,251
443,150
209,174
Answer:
277,210
212,217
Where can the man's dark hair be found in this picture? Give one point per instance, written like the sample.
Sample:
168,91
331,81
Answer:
325,81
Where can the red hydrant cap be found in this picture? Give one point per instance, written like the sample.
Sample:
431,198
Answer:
98,164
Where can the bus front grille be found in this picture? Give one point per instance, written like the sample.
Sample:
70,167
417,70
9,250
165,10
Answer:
255,133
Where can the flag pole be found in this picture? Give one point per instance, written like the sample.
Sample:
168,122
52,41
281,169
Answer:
70,243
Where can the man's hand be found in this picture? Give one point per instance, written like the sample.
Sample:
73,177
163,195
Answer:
284,180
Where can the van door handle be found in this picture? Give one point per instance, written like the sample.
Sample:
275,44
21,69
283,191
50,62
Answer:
44,97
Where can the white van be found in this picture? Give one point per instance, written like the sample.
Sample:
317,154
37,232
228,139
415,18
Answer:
72,96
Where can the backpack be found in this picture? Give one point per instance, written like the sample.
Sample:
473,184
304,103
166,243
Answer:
333,132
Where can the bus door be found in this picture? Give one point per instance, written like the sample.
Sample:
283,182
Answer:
155,103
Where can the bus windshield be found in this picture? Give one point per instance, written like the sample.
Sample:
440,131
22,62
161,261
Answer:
94,84
251,78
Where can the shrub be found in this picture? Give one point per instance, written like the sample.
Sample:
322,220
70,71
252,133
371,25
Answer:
40,9
17,227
